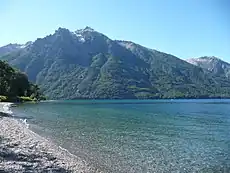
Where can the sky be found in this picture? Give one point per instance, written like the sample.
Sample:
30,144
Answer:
184,28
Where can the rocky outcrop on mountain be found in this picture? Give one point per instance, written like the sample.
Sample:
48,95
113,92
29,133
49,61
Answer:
213,64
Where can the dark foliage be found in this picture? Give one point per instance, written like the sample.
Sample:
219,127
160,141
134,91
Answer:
14,83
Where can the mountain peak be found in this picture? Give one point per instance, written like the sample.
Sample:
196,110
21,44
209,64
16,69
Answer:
213,64
87,33
9,48
209,58
204,59
61,30
87,28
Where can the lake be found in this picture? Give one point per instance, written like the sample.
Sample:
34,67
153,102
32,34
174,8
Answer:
138,135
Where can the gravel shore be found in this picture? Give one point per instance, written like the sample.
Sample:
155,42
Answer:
22,150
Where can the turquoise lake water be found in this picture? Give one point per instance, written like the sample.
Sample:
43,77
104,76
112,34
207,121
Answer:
138,135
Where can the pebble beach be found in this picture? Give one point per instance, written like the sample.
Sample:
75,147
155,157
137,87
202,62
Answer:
22,150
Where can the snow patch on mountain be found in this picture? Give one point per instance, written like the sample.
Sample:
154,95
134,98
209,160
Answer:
79,36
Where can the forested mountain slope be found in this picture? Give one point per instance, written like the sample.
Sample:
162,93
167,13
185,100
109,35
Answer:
88,64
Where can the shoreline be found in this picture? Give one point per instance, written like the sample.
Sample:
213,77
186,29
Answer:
22,150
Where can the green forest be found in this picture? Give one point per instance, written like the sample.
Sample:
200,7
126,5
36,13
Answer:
14,85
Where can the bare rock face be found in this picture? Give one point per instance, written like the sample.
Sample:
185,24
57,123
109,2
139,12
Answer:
212,64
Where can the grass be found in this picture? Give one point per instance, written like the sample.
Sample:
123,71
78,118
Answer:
17,99
3,98
27,99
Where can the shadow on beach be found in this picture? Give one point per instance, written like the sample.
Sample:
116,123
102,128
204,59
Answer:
3,114
13,160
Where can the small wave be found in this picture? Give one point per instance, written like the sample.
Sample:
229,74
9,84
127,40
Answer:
67,151
44,101
24,122
6,108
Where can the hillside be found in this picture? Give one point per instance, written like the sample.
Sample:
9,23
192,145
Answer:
213,64
88,64
9,48
14,85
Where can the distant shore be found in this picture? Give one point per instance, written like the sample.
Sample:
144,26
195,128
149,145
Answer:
22,150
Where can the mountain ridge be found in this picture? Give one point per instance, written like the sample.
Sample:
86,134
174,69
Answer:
213,64
88,64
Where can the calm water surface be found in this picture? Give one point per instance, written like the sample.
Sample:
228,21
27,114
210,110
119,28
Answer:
138,136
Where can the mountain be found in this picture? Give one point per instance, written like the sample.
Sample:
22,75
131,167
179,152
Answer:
12,48
213,64
9,48
87,64
15,84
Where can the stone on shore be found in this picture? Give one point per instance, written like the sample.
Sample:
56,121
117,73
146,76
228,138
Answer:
21,150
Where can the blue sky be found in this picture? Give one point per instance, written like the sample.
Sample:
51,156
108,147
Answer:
184,28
